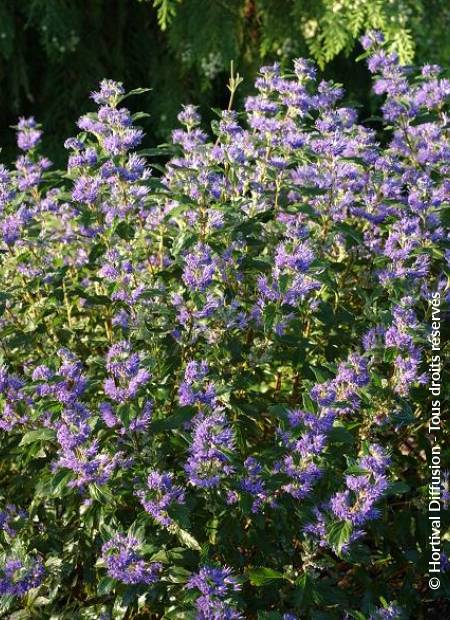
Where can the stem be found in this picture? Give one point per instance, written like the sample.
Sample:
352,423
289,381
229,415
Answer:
67,305
233,85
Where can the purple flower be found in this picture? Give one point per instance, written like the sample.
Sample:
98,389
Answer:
121,319
289,284
199,268
189,116
108,415
109,92
304,69
11,227
317,529
29,171
66,385
195,389
29,134
88,466
126,375
86,189
14,401
324,393
357,503
391,612
18,576
253,483
298,258
372,38
302,474
9,517
353,371
212,441
215,585
123,141
377,461
124,563
160,495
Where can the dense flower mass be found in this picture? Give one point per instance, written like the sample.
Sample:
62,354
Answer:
214,585
160,496
124,563
213,379
18,577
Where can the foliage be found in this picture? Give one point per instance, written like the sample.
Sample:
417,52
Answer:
182,50
213,390
166,10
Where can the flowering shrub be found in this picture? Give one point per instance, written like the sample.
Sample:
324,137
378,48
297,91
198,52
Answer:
213,390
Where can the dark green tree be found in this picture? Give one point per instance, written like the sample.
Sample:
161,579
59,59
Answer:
53,52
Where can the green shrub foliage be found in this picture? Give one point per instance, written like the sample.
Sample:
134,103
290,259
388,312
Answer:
213,390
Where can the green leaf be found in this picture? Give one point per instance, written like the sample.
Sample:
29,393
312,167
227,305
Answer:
339,534
167,556
138,115
187,539
261,575
166,11
357,615
105,586
125,231
398,488
212,527
339,434
308,403
135,91
156,152
60,481
321,374
42,434
174,421
304,590
178,574
279,411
